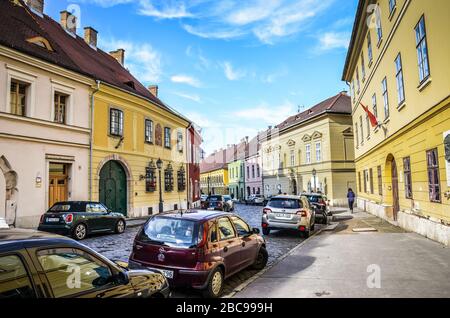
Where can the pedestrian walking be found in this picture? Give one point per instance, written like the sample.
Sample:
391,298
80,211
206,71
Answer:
351,199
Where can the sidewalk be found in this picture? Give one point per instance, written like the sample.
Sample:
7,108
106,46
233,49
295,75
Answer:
339,263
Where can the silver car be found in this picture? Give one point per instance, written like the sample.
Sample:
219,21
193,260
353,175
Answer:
229,202
288,212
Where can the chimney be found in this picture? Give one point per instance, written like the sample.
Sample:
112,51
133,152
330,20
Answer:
90,37
69,22
153,90
119,55
36,5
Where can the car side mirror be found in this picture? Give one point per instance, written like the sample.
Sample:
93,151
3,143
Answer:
122,278
255,230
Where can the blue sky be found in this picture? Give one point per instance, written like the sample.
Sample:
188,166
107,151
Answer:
232,66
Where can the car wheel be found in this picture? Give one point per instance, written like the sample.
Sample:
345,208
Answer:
215,284
266,231
80,232
305,234
261,259
120,227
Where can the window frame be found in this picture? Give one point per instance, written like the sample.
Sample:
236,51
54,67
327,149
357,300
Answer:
384,89
399,79
17,93
407,175
57,106
25,264
120,122
149,131
318,150
380,180
437,183
419,42
369,48
308,154
167,138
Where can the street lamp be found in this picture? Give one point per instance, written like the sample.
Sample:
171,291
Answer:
159,165
314,173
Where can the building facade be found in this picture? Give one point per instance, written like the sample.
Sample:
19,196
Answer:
236,170
253,169
398,66
214,174
312,152
194,154
44,119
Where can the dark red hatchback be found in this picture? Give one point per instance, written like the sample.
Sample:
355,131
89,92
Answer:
198,248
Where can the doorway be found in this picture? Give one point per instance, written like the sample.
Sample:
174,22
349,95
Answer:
395,195
58,190
113,187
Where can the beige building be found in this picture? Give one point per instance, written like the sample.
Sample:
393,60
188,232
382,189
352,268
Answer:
398,65
44,121
312,151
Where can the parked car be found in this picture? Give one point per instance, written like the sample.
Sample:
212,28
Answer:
259,199
199,249
229,202
215,203
40,265
288,212
203,197
321,203
80,219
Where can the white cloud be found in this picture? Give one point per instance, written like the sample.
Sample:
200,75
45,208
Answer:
333,40
254,11
231,73
192,97
164,9
271,115
223,34
106,3
141,59
186,79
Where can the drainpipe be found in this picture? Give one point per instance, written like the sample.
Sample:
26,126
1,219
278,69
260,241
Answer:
91,143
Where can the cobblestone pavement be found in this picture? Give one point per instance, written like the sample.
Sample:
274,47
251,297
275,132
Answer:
118,247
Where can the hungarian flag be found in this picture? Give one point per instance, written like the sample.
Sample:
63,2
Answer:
372,118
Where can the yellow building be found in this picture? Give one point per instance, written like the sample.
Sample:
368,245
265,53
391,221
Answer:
398,65
214,177
311,152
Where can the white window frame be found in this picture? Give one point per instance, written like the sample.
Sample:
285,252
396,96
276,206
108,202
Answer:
318,151
384,89
308,153
14,73
58,87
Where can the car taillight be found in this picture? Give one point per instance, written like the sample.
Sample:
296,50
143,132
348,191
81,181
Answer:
68,218
302,228
266,211
42,219
219,204
302,213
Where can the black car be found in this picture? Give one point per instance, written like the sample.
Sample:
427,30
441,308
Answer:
215,203
81,218
320,202
40,265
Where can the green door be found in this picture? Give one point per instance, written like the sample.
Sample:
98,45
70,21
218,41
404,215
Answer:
113,187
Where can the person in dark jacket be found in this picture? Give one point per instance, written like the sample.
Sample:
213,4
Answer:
351,199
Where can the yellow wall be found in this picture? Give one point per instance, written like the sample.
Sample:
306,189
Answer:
216,178
134,153
418,124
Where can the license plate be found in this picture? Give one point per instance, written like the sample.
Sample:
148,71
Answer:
283,215
210,209
53,220
166,273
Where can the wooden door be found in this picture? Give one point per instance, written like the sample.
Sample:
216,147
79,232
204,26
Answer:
58,184
395,195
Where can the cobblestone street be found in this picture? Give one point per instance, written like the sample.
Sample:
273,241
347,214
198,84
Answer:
278,243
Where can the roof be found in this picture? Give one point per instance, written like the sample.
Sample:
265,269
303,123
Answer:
253,147
21,238
218,160
70,52
194,215
338,104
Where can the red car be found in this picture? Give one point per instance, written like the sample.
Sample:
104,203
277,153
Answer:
199,249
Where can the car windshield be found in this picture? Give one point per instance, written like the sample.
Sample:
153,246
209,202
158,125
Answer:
68,207
314,198
172,232
283,203
227,198
215,198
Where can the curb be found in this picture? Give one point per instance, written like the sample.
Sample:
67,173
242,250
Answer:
245,284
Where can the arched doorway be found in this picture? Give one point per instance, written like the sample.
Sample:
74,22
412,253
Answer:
113,186
8,191
392,180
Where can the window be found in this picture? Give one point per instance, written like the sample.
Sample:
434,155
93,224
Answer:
380,181
371,180
385,98
366,178
374,105
150,179
167,137
392,4
14,280
226,230
168,179
181,178
59,266
148,131
422,50
433,175
353,90
248,171
308,154
253,171
369,47
407,175
180,141
368,125
60,108
359,181
18,98
362,131
318,152
258,173
242,228
358,85
356,135
378,25
292,158
363,67
96,208
116,122
399,78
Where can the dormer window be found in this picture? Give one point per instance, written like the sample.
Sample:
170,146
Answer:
130,84
41,42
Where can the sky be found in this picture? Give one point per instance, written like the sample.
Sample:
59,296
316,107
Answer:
234,67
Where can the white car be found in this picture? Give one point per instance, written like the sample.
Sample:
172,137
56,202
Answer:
229,202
